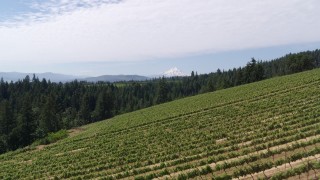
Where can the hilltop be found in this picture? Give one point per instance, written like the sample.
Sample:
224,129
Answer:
55,77
116,78
263,129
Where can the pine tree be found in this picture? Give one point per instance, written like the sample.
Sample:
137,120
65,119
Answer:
163,91
3,144
6,117
84,112
100,109
104,105
26,126
48,120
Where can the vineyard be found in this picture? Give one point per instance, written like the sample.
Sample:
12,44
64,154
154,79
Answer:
268,129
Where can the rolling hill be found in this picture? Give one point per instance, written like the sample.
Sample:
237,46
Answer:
53,77
116,78
266,129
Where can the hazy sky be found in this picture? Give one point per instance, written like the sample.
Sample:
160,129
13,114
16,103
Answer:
94,37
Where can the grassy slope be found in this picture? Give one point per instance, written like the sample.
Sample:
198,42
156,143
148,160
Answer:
181,138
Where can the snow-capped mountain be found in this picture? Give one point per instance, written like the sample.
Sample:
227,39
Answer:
173,72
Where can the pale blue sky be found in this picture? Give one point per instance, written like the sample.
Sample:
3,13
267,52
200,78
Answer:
146,37
11,8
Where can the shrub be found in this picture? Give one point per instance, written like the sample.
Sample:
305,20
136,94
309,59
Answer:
52,137
206,170
150,176
182,177
139,178
164,172
193,173
223,177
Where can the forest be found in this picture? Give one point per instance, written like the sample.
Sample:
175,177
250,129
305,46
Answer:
32,108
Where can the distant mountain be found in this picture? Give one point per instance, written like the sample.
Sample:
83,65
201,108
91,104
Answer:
116,78
173,72
53,77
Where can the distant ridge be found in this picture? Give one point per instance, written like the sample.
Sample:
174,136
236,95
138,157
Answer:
116,78
53,77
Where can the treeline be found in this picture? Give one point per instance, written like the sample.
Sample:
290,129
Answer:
259,70
32,108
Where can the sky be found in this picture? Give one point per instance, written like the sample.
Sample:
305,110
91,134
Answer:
147,37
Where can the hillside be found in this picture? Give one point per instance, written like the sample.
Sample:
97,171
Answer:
268,128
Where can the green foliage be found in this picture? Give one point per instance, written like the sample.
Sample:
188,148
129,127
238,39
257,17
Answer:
182,177
52,137
223,177
139,178
30,108
3,144
238,130
163,91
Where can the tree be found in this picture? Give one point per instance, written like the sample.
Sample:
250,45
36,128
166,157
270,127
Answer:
254,71
163,91
210,84
6,124
259,72
48,120
3,144
84,112
104,106
299,62
69,118
3,89
6,117
24,132
239,79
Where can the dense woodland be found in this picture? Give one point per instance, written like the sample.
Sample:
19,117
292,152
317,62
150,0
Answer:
32,108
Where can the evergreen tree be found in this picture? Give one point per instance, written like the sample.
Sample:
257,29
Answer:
163,91
254,71
211,84
6,124
25,129
84,112
100,110
3,144
104,106
48,120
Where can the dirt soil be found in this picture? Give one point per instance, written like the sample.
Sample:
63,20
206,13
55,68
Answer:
75,131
